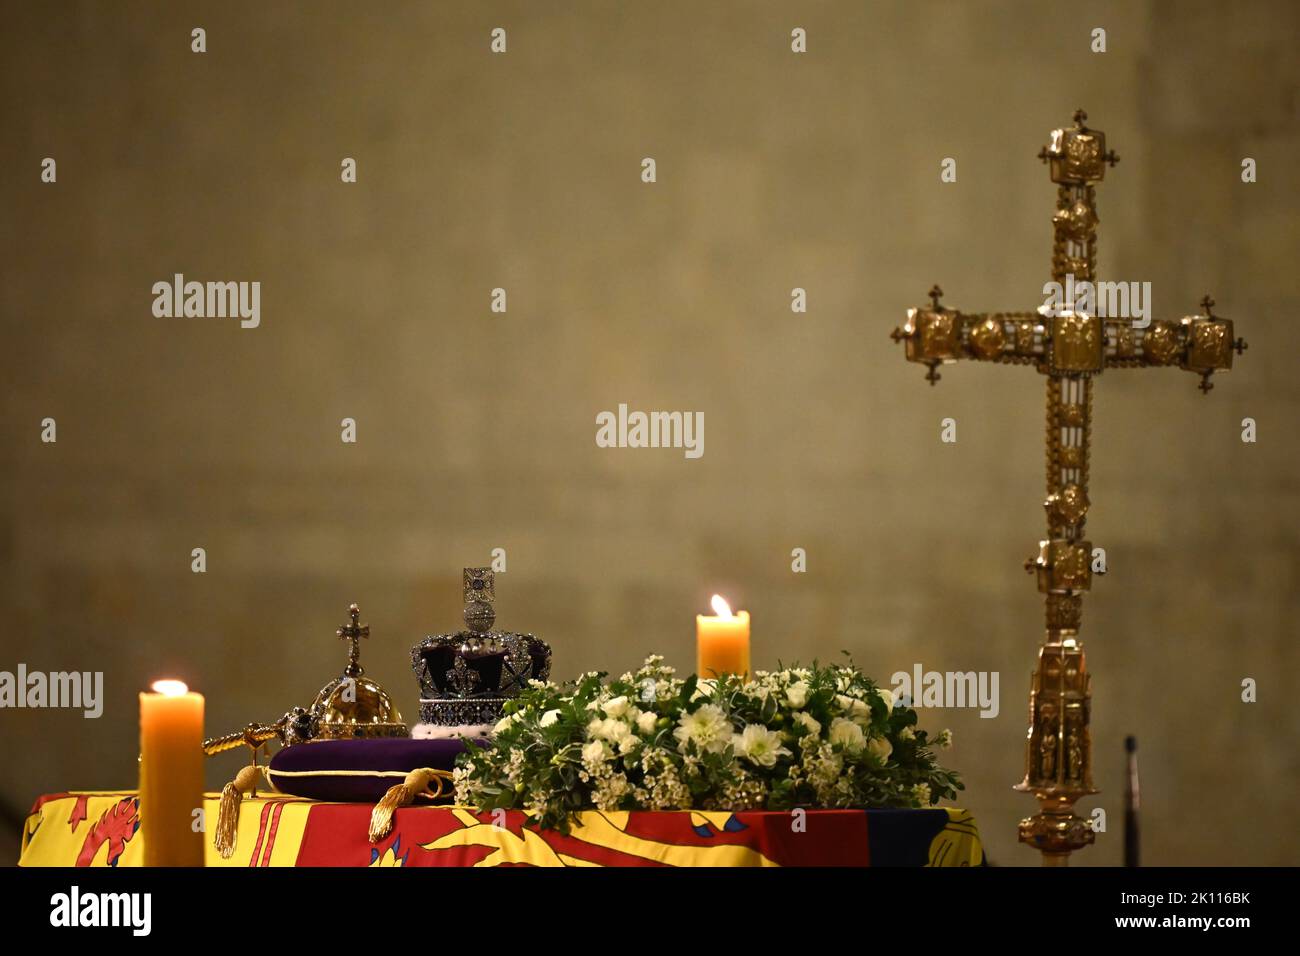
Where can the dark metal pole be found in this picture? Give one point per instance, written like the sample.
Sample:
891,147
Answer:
1132,800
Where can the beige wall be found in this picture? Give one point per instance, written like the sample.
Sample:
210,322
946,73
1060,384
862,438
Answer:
476,431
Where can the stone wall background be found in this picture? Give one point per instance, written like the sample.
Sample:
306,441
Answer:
476,430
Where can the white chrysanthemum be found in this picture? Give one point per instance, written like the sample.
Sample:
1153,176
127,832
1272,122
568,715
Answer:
708,726
645,722
760,745
848,734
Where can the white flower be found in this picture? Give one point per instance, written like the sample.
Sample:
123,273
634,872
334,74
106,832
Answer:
797,695
704,688
906,733
594,752
887,696
847,733
944,739
607,729
504,723
857,710
760,745
880,747
548,718
616,707
646,722
922,793
708,727
809,721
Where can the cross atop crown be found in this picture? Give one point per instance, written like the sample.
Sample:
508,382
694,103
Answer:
480,595
480,585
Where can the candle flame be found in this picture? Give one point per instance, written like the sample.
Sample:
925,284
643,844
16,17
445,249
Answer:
721,607
170,688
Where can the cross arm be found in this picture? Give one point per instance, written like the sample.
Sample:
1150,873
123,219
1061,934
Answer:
937,335
1202,343
1068,342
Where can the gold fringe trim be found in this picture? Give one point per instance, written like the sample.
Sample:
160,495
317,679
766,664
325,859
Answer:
228,810
417,784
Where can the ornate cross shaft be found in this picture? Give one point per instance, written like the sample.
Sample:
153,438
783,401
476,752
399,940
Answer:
1070,347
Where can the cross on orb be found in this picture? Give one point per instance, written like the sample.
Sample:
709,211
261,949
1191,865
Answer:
353,631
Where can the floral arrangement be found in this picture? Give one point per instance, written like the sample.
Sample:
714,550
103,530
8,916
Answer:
821,737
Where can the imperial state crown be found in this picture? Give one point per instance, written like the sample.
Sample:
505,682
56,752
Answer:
467,677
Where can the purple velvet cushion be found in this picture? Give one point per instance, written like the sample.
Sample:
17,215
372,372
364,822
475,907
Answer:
356,771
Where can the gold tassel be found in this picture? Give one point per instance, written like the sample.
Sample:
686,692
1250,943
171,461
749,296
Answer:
403,795
228,810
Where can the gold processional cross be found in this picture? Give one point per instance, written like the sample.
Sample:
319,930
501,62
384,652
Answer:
1069,346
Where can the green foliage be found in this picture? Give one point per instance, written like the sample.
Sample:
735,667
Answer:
822,736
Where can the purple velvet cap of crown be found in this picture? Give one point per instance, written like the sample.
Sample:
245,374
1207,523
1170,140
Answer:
346,770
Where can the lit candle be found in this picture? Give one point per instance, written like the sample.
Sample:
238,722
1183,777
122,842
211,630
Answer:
171,774
722,641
